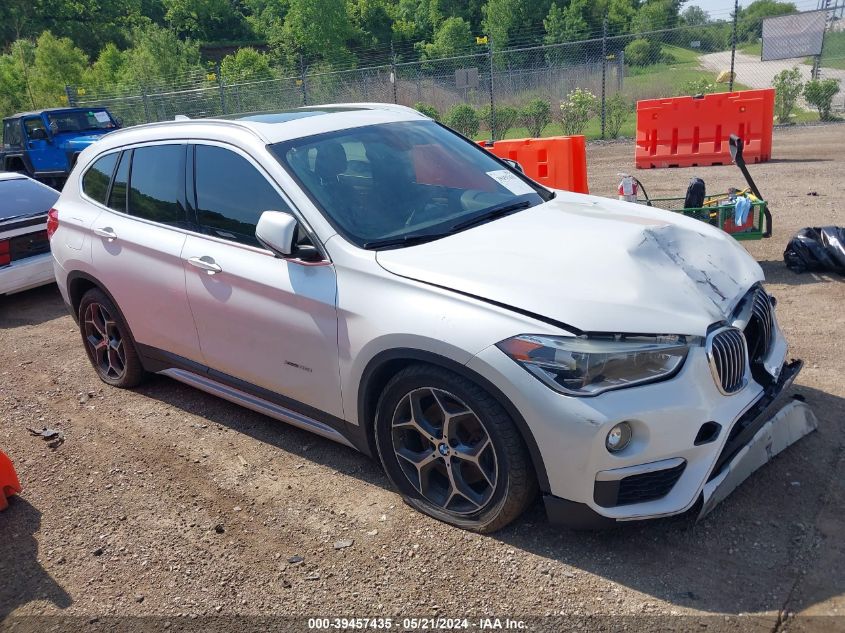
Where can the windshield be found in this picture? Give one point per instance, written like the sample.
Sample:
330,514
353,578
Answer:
394,184
78,120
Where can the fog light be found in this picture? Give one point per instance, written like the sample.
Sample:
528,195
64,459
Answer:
619,437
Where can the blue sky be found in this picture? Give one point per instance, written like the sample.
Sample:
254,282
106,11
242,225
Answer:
723,8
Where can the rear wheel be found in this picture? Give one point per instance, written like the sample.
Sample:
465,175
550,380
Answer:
452,450
108,343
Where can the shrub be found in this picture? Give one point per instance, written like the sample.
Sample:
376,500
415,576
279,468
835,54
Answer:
536,115
464,119
819,93
577,110
701,86
506,118
643,52
427,109
787,85
617,110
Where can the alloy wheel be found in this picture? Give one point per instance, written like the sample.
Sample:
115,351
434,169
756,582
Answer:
444,450
105,341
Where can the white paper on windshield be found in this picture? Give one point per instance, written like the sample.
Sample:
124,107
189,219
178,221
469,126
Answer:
510,181
102,117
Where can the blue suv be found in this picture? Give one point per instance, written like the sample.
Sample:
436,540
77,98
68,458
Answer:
44,144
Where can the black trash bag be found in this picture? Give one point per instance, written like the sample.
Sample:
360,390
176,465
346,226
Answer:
695,194
817,248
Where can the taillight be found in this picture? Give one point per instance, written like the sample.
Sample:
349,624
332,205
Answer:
5,258
52,222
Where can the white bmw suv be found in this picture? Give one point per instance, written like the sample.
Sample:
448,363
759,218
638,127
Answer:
367,274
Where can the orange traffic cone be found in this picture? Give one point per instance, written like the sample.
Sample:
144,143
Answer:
9,484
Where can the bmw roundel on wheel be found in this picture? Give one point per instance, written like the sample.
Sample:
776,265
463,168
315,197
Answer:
369,275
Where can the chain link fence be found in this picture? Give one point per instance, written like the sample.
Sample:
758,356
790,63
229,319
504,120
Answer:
616,71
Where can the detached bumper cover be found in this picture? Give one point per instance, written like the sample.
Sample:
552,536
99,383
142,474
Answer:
766,429
789,425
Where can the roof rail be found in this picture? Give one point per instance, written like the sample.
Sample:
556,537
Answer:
189,122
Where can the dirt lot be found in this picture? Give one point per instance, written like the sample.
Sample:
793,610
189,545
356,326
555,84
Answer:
169,502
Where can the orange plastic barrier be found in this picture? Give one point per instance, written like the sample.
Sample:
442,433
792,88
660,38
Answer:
559,162
9,484
689,131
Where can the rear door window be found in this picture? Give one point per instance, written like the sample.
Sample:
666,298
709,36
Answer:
231,194
95,182
157,184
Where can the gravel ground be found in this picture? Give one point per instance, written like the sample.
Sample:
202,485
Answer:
166,504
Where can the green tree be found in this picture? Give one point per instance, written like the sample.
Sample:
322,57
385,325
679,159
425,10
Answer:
452,37
373,21
536,115
15,82
695,16
787,85
246,65
819,93
654,15
106,73
266,17
206,20
316,29
511,22
568,24
750,21
464,119
620,15
158,58
57,63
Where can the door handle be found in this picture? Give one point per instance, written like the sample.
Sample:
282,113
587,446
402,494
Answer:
106,232
205,263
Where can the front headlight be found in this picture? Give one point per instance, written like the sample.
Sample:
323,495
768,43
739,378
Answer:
582,366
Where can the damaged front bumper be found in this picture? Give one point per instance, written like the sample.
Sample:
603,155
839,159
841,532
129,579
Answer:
765,429
761,433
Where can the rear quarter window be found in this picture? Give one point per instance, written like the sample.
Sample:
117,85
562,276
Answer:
95,182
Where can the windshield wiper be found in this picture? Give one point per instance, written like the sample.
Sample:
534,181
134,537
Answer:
405,240
491,214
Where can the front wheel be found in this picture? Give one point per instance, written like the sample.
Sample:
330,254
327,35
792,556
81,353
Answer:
452,450
108,343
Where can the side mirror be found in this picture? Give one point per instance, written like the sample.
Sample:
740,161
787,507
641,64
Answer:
515,165
38,134
276,230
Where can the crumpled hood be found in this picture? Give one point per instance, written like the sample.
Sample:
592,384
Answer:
595,264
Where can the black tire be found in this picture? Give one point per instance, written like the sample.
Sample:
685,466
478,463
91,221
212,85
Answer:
108,341
499,502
